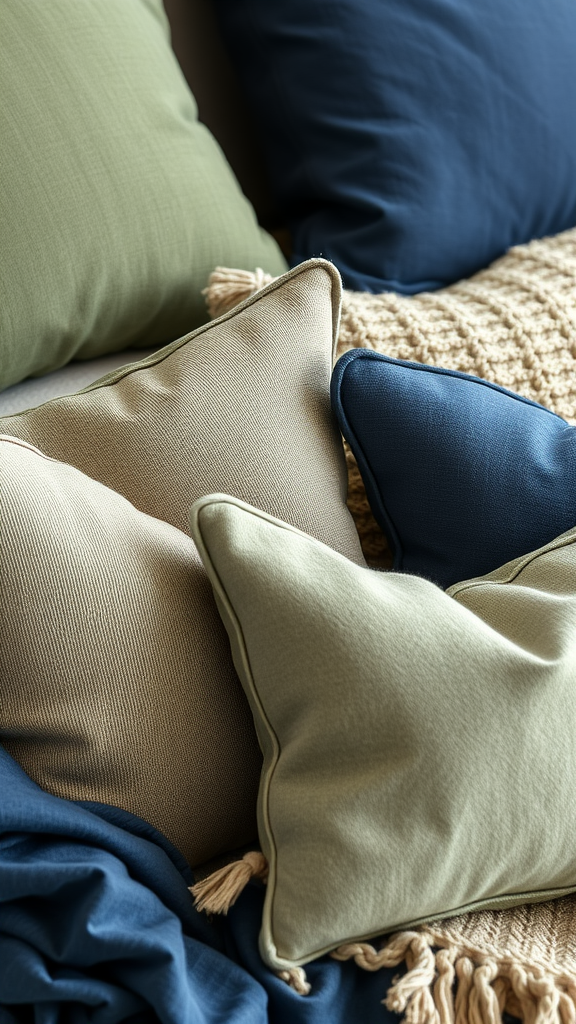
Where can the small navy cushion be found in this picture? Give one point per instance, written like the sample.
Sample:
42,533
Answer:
412,142
462,475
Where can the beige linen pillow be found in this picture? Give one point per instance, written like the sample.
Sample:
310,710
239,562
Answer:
115,680
241,405
419,756
244,404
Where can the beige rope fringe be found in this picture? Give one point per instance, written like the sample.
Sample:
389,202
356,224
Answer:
227,288
296,979
513,323
471,969
464,970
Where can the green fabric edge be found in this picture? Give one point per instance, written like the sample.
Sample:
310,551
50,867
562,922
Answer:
511,570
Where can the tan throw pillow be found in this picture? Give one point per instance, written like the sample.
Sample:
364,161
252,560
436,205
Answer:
115,680
419,756
240,405
243,404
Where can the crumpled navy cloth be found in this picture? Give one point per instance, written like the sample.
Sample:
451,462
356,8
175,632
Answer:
97,925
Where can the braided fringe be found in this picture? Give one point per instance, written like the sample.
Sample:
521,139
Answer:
456,985
296,979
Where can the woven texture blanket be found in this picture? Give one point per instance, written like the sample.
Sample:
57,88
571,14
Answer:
474,968
513,324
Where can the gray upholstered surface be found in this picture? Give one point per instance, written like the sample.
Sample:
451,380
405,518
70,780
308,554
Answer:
37,390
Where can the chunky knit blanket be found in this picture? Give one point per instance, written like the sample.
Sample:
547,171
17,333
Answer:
473,968
514,324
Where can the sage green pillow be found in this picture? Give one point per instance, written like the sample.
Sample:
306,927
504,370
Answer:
115,202
419,755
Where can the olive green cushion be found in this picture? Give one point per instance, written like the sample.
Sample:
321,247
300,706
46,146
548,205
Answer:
115,202
419,755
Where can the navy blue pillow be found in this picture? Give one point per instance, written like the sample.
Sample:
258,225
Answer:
462,475
412,142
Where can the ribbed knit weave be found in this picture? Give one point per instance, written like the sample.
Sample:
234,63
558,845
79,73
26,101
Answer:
514,324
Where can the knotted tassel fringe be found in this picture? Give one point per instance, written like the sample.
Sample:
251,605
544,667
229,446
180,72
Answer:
457,985
446,981
219,891
228,287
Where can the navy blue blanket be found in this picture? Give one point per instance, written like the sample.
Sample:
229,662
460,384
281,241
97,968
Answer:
97,924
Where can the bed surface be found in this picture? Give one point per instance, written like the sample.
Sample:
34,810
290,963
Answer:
73,377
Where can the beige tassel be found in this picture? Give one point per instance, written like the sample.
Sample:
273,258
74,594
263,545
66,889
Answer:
483,1003
228,287
566,1009
217,893
413,991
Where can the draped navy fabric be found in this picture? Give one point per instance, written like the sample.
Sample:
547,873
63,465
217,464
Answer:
97,925
461,474
411,141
